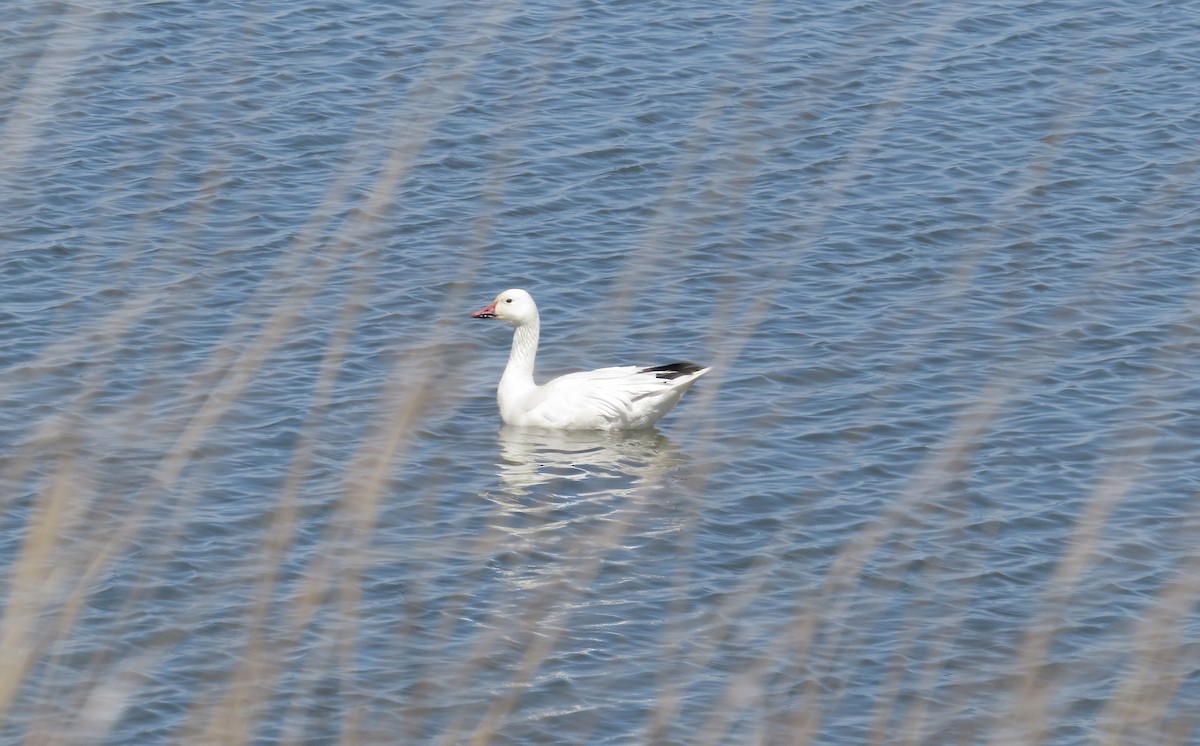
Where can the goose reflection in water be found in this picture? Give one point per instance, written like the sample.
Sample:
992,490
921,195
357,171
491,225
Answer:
580,500
537,456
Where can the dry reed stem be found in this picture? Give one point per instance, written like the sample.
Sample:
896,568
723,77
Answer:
54,67
409,398
1030,718
232,718
731,346
236,372
34,580
66,500
1161,661
578,572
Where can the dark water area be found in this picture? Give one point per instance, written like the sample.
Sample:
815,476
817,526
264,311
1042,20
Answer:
940,487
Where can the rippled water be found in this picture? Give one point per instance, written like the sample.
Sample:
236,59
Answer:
940,488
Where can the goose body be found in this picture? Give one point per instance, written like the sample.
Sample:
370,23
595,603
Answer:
620,398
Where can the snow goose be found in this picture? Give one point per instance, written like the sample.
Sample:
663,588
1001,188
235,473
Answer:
621,398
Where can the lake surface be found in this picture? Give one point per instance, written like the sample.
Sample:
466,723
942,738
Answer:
941,486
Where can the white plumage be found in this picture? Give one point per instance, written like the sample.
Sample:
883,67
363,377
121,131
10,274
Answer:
622,398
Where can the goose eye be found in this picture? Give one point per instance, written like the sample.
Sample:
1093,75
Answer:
508,300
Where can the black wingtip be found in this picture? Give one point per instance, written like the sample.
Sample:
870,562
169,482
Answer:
673,370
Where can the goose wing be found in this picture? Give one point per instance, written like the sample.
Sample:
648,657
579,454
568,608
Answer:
623,396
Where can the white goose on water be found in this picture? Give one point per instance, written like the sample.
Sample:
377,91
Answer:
622,398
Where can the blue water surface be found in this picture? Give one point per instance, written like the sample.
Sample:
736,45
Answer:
940,486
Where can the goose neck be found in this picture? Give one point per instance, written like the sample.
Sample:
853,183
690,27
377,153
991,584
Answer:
524,352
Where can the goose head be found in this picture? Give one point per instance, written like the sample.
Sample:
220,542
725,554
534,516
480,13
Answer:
514,306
